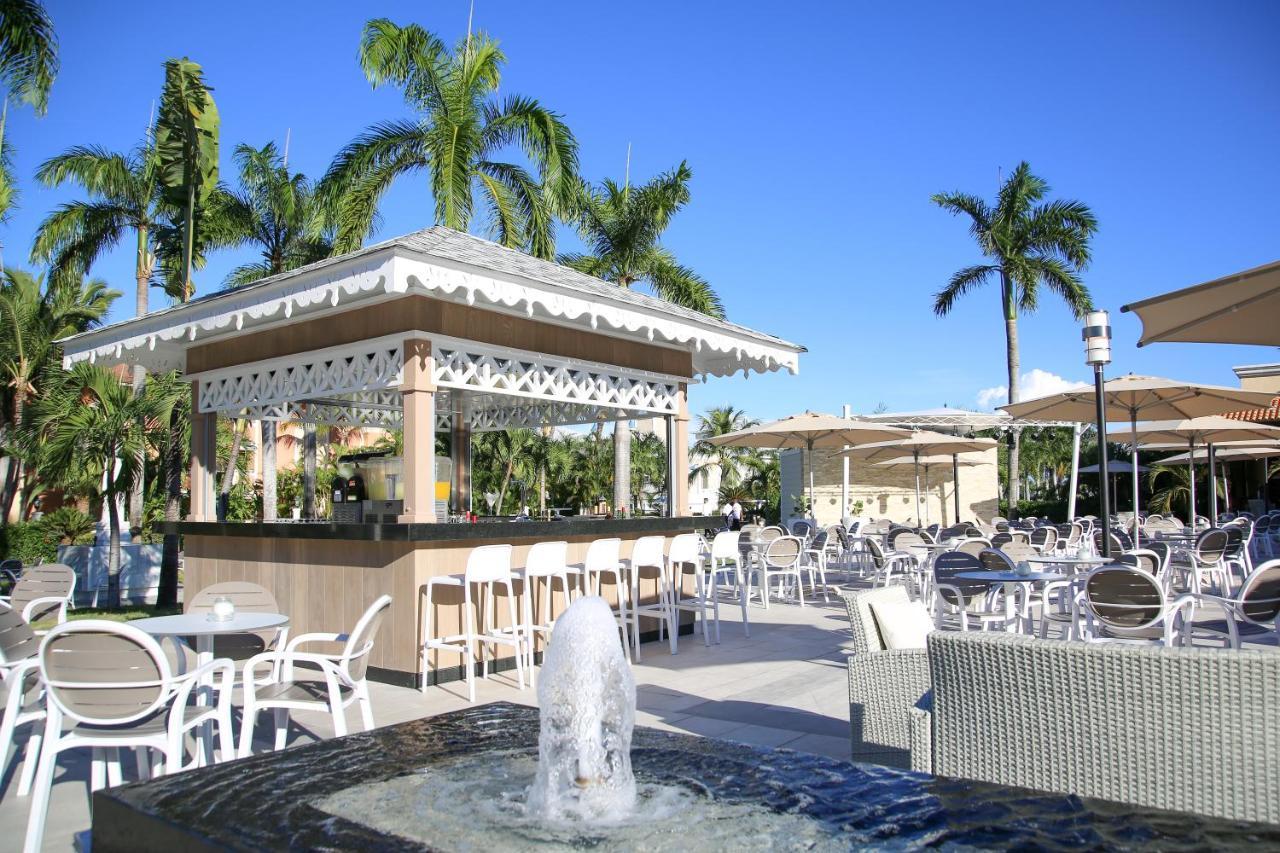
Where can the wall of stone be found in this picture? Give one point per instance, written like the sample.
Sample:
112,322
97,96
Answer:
889,491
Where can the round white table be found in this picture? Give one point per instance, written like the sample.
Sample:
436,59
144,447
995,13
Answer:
1073,562
1024,616
204,629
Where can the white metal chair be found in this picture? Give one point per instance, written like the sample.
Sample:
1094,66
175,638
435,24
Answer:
1122,604
313,681
488,570
247,597
547,561
21,691
1253,615
648,561
781,561
815,562
112,683
43,591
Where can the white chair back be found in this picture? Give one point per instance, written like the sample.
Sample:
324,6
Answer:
355,654
104,673
647,552
725,545
546,558
489,563
603,555
684,549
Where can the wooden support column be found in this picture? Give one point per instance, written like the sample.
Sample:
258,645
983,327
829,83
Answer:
204,459
678,457
418,393
460,451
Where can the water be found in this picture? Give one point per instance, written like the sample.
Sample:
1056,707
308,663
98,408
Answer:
587,702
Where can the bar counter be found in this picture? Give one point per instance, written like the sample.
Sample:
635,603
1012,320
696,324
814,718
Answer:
324,574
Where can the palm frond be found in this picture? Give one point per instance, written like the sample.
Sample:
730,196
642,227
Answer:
961,282
28,52
680,285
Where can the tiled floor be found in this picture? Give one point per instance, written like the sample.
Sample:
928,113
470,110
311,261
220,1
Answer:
782,686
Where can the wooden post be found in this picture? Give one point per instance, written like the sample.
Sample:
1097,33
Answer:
418,393
204,459
678,456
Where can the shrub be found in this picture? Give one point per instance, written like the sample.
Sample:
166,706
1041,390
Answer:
67,525
27,541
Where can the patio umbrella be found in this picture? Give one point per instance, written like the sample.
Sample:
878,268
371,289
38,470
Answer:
1237,309
1206,432
809,431
919,444
926,462
1130,398
1114,466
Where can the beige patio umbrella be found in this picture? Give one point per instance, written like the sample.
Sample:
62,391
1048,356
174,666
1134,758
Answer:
809,431
1203,432
1132,398
1236,309
927,462
917,445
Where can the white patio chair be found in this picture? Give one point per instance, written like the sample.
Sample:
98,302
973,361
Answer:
21,691
1253,615
815,563
313,681
780,561
112,684
1122,604
43,591
966,601
724,561
684,557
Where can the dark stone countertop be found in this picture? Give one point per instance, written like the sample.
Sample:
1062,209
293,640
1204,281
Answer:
505,530
266,802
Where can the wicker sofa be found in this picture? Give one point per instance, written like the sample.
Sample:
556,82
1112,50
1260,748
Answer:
1186,729
884,684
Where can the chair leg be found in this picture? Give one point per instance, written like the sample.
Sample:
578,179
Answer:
280,719
366,706
114,775
526,628
40,795
426,636
29,765
516,632
248,721
98,769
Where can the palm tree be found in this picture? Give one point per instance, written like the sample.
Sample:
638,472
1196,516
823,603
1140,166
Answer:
721,420
622,225
93,425
457,139
1026,242
33,317
28,65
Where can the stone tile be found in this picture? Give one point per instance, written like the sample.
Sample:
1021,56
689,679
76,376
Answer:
832,747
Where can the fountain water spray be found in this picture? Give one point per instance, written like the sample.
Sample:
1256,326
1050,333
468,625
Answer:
587,698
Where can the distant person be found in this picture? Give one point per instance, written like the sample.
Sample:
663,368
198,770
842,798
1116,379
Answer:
726,512
735,522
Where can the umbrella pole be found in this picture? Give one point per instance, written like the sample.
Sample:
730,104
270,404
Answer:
955,484
1191,470
1137,524
1075,473
916,455
813,510
927,520
1213,486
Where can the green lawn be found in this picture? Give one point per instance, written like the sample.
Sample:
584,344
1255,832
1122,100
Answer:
124,614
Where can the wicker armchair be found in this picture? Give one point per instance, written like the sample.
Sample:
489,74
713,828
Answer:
1184,729
884,684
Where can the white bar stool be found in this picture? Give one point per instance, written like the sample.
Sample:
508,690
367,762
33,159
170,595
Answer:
725,562
686,553
603,558
547,560
647,554
488,566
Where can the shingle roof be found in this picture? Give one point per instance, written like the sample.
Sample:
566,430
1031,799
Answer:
1267,415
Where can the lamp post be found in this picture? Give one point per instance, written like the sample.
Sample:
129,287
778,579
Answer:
1097,353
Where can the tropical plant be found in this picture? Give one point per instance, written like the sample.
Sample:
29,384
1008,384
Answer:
648,470
622,226
92,427
276,212
458,139
1027,243
716,421
186,146
68,525
28,65
33,316
1171,489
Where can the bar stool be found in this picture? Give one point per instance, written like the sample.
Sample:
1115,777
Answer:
647,554
725,560
686,553
547,560
488,566
603,558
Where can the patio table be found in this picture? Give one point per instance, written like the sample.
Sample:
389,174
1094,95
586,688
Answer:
1024,617
1075,563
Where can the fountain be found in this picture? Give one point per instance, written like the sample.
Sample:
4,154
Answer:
474,780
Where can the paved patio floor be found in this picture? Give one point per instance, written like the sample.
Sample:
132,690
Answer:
785,685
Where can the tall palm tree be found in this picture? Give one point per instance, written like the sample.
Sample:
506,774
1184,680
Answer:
28,65
457,138
721,420
33,316
622,226
93,425
1026,242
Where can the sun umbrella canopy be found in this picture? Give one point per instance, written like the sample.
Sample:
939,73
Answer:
930,461
1202,431
1237,309
1224,452
917,444
809,430
1145,397
1114,466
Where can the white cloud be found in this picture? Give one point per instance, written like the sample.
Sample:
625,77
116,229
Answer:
1034,383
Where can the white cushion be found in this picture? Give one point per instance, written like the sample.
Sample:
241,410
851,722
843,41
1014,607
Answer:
903,624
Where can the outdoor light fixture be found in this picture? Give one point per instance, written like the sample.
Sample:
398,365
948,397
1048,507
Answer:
1097,353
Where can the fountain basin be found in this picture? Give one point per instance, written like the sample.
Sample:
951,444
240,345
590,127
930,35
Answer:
295,799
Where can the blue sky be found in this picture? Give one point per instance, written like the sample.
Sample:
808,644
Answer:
816,132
